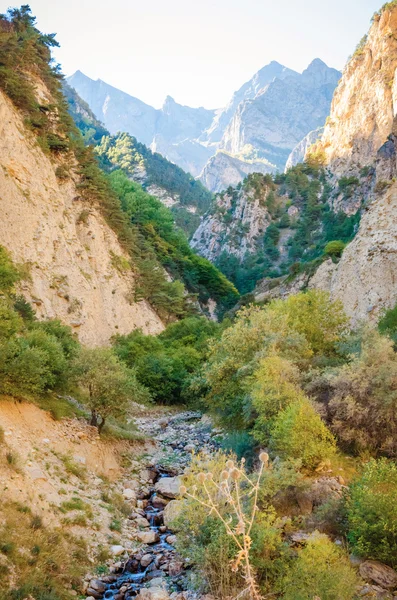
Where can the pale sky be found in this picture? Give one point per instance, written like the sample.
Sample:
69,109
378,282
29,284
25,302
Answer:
197,51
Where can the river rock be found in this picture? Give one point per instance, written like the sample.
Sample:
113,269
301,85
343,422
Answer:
129,494
148,537
172,512
146,560
175,567
168,487
153,593
142,522
385,576
159,502
117,550
94,594
98,585
171,540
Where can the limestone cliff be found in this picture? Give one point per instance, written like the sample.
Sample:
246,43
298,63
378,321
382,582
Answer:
364,106
234,226
77,270
360,136
224,170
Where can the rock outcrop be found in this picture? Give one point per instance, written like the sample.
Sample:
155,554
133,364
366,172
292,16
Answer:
70,255
234,225
364,106
299,152
281,114
224,170
360,135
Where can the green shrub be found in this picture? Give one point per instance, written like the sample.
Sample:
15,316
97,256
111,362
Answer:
362,405
320,571
334,248
299,433
372,512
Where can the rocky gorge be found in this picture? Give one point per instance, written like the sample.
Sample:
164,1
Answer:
153,570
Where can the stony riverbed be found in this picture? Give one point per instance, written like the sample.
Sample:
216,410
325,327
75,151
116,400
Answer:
155,571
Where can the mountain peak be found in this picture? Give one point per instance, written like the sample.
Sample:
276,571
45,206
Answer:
317,64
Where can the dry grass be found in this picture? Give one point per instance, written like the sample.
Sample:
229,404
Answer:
32,558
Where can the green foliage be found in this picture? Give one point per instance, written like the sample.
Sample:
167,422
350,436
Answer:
301,329
124,152
388,323
109,385
299,433
163,245
275,386
25,56
9,274
347,185
165,363
321,570
372,512
363,399
334,248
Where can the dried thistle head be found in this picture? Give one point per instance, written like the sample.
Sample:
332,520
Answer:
225,475
210,476
182,490
201,477
235,474
264,457
229,464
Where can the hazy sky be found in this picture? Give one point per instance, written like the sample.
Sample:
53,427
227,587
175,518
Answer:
198,51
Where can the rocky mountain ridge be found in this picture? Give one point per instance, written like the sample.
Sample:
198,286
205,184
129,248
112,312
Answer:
260,126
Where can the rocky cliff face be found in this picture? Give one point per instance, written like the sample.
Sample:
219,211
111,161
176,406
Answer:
233,227
279,116
365,103
248,91
299,152
71,255
360,135
224,170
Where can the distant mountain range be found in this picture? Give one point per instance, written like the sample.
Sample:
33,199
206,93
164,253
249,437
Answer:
256,132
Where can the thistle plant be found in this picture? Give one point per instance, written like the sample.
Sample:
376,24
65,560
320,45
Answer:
234,501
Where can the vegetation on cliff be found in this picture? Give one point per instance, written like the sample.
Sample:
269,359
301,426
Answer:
25,65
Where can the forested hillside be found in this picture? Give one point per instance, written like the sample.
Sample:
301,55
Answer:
277,226
186,197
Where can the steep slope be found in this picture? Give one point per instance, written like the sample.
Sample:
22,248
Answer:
98,252
224,170
365,103
247,91
116,109
299,152
360,138
282,114
70,259
187,198
170,130
274,226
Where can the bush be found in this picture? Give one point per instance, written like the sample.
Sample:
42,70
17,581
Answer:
372,512
320,571
334,249
299,433
363,405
